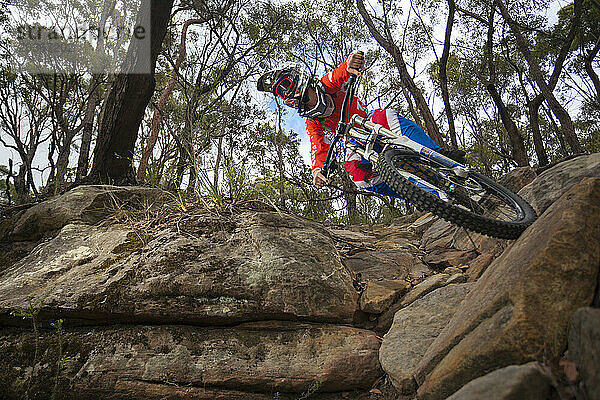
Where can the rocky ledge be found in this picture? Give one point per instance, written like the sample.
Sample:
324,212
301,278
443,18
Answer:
121,293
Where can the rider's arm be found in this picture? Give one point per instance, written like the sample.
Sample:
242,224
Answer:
318,152
318,147
335,80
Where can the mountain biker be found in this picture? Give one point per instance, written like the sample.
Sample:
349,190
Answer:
320,102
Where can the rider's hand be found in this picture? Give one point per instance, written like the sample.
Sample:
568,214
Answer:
319,179
355,63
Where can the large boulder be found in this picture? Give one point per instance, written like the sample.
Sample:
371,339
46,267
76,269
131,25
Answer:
584,349
87,204
254,266
520,307
551,184
156,362
153,310
22,232
531,381
413,330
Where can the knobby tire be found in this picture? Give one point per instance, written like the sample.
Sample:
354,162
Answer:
426,201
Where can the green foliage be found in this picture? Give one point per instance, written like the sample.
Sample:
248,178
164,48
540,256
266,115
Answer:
314,388
62,359
31,312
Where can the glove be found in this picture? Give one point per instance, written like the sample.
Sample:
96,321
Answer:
355,63
318,179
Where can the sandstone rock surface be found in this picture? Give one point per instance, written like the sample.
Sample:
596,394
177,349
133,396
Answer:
584,349
274,356
530,381
519,309
413,330
550,185
262,266
252,304
22,232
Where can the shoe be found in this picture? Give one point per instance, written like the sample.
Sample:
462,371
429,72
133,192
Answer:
457,155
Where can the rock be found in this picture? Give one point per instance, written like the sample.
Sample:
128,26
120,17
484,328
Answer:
518,311
457,278
584,348
518,178
423,223
478,266
379,295
428,285
439,235
530,381
21,233
387,264
350,242
439,258
254,266
444,235
87,204
413,330
263,358
550,185
452,270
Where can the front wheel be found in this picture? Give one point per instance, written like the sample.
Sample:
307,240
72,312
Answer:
475,202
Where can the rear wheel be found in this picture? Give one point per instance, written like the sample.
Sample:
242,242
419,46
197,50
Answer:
475,202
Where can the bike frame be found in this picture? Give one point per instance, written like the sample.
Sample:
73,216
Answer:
367,134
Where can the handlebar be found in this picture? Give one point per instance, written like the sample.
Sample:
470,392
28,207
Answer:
342,124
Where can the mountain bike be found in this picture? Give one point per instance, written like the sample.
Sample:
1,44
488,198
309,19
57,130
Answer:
431,181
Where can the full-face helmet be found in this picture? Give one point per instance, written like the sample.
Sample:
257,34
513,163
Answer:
291,84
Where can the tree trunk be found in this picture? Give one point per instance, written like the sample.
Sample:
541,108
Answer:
127,98
590,70
62,163
387,43
86,136
444,74
20,181
517,143
534,122
64,148
563,116
9,175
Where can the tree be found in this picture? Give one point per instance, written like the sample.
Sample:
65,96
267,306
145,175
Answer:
127,98
108,7
163,99
519,153
386,41
444,73
23,119
547,91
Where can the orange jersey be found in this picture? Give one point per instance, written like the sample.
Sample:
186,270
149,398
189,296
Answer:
322,130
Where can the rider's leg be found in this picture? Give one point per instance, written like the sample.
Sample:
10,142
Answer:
360,171
396,123
390,119
383,189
